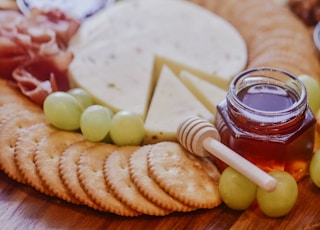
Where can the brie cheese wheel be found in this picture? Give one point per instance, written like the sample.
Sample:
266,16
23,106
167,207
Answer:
210,95
171,103
120,51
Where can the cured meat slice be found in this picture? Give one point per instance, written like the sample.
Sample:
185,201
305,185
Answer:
33,51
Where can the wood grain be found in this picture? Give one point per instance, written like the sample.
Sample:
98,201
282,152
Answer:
22,207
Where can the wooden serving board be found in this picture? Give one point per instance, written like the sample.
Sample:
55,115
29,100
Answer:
22,207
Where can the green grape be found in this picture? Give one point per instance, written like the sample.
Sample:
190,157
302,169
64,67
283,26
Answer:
313,91
315,168
82,96
127,129
95,122
63,111
280,201
236,190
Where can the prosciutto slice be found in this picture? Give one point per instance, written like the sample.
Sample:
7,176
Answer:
33,51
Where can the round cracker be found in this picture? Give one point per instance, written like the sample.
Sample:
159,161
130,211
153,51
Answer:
278,55
26,146
183,175
225,10
269,15
270,18
276,33
91,178
49,150
286,60
139,173
275,38
276,64
247,7
9,132
116,171
7,110
68,171
283,45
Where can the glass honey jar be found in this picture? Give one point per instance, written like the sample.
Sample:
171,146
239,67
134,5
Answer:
266,119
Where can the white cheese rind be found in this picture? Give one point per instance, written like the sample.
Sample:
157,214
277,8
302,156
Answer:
128,37
172,102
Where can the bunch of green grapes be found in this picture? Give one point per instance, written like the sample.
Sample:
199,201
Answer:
74,110
238,193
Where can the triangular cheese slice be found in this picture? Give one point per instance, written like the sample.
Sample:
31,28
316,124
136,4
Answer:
210,95
119,76
177,67
171,103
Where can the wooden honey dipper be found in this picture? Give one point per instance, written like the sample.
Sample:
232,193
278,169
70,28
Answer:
201,138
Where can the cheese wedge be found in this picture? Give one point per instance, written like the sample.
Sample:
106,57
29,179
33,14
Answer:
118,76
120,51
171,103
210,95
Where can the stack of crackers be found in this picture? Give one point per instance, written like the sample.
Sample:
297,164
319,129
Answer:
129,181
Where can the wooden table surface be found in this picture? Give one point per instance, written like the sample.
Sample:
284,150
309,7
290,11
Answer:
22,207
